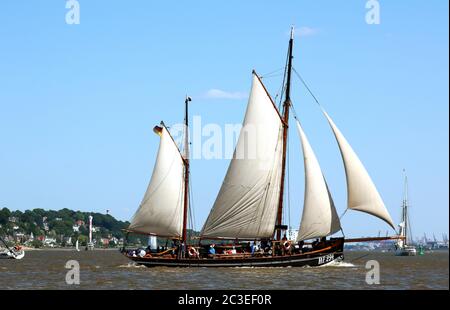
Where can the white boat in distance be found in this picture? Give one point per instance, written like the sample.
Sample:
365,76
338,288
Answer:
403,248
16,252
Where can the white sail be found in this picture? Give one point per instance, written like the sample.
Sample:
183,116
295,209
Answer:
161,210
362,193
247,203
319,218
402,233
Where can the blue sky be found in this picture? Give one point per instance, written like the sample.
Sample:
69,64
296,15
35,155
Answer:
78,102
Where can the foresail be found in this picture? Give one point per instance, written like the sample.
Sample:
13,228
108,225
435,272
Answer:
161,210
362,193
319,218
246,206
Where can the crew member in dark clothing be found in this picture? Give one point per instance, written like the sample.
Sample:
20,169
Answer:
300,246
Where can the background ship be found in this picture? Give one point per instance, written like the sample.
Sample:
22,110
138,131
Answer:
404,247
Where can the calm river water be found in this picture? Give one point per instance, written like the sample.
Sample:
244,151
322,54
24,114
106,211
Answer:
108,269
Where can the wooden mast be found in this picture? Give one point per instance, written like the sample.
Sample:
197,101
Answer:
286,104
186,174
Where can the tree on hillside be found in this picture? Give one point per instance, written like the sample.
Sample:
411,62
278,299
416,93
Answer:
4,215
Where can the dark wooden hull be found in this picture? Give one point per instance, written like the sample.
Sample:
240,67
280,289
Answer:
333,251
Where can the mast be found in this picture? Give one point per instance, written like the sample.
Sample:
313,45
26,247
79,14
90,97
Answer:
405,208
286,104
186,172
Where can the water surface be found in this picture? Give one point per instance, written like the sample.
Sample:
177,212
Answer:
108,269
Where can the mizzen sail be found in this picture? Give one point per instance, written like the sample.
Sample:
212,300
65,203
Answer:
362,193
319,218
161,210
247,203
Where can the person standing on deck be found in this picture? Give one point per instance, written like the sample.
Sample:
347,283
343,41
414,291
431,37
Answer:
212,250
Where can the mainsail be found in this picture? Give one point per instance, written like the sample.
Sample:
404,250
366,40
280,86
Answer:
161,210
247,203
319,218
362,193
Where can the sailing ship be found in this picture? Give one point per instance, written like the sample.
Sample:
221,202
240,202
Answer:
404,246
247,216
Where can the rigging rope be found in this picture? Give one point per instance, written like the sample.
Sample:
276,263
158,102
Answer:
270,73
293,112
271,76
343,215
288,188
280,90
306,86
